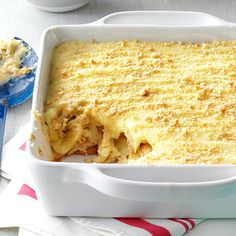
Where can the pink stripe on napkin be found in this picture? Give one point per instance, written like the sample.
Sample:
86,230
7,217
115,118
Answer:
23,147
27,191
189,221
154,230
185,225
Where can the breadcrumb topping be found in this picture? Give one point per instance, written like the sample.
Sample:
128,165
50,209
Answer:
147,102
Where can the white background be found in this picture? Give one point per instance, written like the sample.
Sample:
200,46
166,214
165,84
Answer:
18,18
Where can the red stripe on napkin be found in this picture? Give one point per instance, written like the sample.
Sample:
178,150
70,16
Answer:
181,222
27,191
154,230
23,147
190,221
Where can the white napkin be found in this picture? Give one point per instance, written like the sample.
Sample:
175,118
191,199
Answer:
13,159
20,207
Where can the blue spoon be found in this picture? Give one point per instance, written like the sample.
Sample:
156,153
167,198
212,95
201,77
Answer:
17,90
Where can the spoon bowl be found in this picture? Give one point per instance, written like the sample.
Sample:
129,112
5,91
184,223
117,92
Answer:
17,90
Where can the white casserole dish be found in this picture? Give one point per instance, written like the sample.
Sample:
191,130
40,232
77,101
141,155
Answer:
106,190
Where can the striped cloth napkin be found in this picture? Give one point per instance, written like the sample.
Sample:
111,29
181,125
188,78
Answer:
20,207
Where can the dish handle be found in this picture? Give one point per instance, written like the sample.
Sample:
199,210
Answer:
134,190
161,18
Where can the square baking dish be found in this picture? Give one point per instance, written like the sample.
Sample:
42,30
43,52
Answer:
75,188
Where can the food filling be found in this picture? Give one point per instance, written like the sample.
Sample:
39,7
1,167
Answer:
143,102
11,53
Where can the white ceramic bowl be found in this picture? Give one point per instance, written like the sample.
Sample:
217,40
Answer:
58,5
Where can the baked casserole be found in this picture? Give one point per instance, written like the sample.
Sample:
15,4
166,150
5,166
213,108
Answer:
143,102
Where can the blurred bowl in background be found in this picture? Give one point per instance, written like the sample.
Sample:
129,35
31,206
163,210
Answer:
58,5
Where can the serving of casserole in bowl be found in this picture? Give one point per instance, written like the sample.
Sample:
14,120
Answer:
145,93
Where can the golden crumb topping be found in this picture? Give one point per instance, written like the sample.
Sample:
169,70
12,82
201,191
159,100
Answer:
151,102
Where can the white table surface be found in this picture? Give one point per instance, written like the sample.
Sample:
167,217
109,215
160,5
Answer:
18,18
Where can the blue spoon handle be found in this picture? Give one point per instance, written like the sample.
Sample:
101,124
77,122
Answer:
3,113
